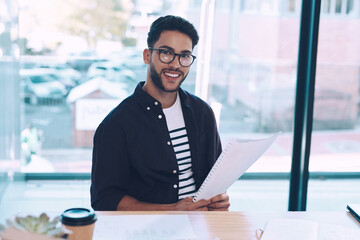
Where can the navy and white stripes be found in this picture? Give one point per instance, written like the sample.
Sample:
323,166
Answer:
181,146
180,142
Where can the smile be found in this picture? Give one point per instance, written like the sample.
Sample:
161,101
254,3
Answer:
173,75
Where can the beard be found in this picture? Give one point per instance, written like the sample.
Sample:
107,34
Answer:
156,79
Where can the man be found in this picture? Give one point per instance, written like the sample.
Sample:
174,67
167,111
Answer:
154,150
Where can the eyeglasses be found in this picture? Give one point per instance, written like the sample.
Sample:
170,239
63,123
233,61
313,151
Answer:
167,56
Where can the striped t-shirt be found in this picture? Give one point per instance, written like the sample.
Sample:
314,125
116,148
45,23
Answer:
180,143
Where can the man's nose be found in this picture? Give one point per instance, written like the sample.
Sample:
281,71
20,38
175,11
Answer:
175,63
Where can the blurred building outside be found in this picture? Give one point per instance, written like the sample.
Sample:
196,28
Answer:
90,102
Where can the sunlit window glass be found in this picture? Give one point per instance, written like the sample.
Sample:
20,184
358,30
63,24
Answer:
335,142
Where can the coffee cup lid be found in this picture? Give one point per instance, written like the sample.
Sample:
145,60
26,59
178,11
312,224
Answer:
78,217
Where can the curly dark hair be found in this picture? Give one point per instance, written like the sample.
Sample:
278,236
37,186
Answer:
172,23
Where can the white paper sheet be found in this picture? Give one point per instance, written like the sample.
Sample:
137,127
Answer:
300,229
336,232
235,159
144,227
294,229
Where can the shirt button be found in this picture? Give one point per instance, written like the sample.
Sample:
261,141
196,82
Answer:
174,171
160,117
148,108
175,186
156,103
168,143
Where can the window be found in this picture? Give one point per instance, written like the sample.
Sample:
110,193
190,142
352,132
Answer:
268,7
291,7
326,6
224,5
252,78
340,8
349,6
335,144
76,65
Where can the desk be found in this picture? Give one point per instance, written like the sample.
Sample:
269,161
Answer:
242,225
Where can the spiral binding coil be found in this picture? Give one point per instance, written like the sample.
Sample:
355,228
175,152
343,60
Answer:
217,163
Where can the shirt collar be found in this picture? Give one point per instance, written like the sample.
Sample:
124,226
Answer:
146,100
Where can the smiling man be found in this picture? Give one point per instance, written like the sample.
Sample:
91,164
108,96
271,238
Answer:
154,150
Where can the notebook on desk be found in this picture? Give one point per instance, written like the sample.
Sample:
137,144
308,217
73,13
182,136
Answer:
354,209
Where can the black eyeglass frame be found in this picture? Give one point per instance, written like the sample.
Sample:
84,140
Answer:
174,55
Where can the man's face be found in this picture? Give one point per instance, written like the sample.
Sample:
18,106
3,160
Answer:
169,76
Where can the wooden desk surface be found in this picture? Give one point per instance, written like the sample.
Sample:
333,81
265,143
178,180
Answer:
243,225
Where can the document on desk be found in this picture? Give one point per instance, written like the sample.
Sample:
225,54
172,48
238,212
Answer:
294,229
144,227
302,229
337,232
236,158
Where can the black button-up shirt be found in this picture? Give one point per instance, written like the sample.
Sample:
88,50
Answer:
133,154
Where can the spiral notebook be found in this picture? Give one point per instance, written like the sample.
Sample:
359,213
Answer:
236,158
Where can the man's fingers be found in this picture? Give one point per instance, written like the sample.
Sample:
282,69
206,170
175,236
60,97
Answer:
202,209
220,197
218,209
219,205
202,202
217,198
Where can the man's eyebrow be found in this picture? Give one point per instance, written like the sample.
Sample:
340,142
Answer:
170,48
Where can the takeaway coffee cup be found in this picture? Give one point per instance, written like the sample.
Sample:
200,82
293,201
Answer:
80,221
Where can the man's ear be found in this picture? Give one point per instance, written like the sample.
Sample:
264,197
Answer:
146,55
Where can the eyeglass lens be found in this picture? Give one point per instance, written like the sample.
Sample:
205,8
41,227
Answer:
168,56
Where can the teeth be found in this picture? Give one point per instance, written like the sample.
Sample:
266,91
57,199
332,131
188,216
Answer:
172,75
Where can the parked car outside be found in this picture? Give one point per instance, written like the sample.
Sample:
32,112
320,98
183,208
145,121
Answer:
39,86
111,71
82,60
67,81
26,94
65,71
129,57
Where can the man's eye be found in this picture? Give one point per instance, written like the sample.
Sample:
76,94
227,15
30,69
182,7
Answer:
187,56
166,52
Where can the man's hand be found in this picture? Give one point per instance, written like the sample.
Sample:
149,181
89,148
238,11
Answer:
128,203
219,203
187,204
